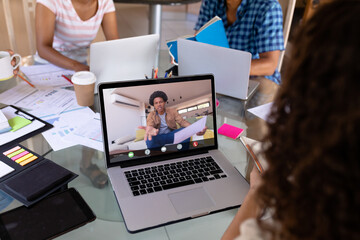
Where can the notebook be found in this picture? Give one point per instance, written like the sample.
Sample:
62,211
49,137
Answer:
230,67
159,184
212,32
126,59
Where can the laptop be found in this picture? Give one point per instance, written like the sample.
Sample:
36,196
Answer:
180,180
127,58
230,67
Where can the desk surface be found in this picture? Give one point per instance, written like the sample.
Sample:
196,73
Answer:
109,223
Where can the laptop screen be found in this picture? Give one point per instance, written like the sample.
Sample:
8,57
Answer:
157,119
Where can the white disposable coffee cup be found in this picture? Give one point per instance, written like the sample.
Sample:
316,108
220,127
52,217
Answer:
6,69
84,84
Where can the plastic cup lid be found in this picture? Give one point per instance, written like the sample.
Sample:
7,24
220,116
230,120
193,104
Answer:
83,78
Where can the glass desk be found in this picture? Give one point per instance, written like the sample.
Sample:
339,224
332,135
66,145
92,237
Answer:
109,223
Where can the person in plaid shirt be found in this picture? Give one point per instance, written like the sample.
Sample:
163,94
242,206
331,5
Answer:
254,26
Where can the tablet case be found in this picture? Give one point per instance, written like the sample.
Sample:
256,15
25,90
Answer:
35,180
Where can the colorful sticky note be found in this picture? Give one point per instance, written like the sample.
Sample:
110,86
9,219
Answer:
230,131
17,123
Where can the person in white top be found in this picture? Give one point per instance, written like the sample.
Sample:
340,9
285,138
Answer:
311,186
66,28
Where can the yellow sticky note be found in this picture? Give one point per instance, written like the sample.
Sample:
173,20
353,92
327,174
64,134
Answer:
18,122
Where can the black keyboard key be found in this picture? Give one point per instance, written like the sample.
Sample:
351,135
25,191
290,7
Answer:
136,193
198,180
134,183
142,186
143,191
205,179
150,190
157,189
223,176
217,176
135,188
132,179
178,184
216,172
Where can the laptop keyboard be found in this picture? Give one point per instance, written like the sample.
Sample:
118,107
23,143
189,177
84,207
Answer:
172,175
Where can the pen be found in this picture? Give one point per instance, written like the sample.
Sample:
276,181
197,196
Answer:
156,73
170,74
66,78
152,73
146,76
26,80
250,151
166,73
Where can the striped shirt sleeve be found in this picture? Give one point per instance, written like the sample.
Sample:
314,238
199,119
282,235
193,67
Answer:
50,4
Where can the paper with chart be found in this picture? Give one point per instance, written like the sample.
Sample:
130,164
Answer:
88,134
47,76
39,102
14,95
187,132
64,125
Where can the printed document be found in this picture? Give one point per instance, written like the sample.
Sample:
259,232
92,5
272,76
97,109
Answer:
262,111
47,76
187,132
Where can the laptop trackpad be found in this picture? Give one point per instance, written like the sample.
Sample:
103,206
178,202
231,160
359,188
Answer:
190,200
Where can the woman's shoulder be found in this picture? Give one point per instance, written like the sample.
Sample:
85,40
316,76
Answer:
53,5
107,5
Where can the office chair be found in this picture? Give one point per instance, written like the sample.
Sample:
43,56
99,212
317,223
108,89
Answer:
288,7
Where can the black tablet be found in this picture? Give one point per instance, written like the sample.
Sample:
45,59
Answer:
49,218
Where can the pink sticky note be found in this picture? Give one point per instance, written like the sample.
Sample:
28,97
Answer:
230,131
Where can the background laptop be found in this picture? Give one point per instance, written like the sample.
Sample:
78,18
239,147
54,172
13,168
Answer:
230,67
127,58
166,189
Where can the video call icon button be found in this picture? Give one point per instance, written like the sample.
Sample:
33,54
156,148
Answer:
147,151
179,146
163,149
195,144
131,154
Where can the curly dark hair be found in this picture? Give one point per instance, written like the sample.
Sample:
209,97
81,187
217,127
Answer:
312,182
156,94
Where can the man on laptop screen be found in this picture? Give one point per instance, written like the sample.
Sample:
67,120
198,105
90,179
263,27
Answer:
161,124
180,176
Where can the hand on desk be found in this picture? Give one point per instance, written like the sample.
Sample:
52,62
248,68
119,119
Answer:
80,67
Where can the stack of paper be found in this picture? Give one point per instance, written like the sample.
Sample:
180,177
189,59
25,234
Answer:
4,123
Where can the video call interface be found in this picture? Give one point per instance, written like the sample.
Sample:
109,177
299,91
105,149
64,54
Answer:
129,114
